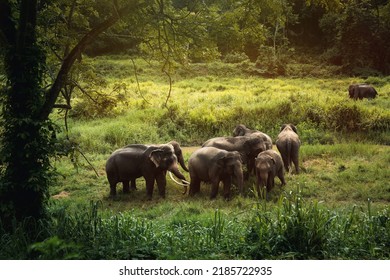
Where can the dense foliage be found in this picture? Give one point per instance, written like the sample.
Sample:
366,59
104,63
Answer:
293,229
42,44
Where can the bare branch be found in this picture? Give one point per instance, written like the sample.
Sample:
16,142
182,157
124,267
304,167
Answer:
138,86
84,92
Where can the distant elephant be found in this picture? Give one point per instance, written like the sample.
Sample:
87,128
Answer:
150,161
242,130
178,153
268,165
248,146
214,165
288,144
360,91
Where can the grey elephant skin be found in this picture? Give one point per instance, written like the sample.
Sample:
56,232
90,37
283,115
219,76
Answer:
148,161
242,130
268,165
177,150
214,165
288,144
248,147
360,91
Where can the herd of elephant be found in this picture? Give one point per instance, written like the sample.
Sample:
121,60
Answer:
220,159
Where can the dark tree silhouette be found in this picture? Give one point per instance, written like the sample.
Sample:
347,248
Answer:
26,143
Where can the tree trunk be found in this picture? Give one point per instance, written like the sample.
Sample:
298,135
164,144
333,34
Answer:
26,141
24,184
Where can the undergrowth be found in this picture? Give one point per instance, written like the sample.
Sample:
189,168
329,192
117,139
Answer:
293,228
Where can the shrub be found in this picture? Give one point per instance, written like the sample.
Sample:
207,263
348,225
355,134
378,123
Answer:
346,117
235,58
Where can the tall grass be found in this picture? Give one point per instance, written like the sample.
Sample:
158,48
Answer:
209,100
292,229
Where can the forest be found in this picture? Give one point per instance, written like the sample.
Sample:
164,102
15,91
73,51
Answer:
80,79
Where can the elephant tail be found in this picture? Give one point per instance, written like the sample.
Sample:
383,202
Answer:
289,150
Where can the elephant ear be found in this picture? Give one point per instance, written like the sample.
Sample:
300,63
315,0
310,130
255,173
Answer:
272,160
239,130
293,127
175,145
156,156
254,144
220,160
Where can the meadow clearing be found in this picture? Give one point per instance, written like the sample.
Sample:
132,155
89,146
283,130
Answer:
344,151
336,208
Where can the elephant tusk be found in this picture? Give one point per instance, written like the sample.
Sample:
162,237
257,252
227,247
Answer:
184,182
185,185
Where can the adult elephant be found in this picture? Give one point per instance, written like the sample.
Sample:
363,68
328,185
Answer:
248,147
360,91
177,150
242,130
288,144
214,165
148,161
268,165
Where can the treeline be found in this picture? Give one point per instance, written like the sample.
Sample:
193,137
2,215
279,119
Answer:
353,35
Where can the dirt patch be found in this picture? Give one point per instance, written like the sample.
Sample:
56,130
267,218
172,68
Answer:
61,195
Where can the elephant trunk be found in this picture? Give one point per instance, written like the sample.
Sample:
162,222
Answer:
264,179
175,170
182,163
263,185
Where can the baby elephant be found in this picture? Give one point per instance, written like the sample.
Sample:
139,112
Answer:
268,165
213,165
288,144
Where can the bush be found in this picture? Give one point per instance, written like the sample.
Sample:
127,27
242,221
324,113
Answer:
235,58
291,229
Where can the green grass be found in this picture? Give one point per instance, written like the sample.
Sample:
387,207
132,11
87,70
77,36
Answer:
336,208
209,100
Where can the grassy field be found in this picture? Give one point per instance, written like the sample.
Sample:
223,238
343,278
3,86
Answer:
344,153
336,208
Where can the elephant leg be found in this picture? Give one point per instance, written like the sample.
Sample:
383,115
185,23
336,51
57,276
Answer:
285,163
112,190
214,189
269,183
296,163
227,183
194,186
133,185
250,166
126,187
258,181
149,180
281,177
161,183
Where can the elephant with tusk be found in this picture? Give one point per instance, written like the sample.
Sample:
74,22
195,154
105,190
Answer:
149,161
